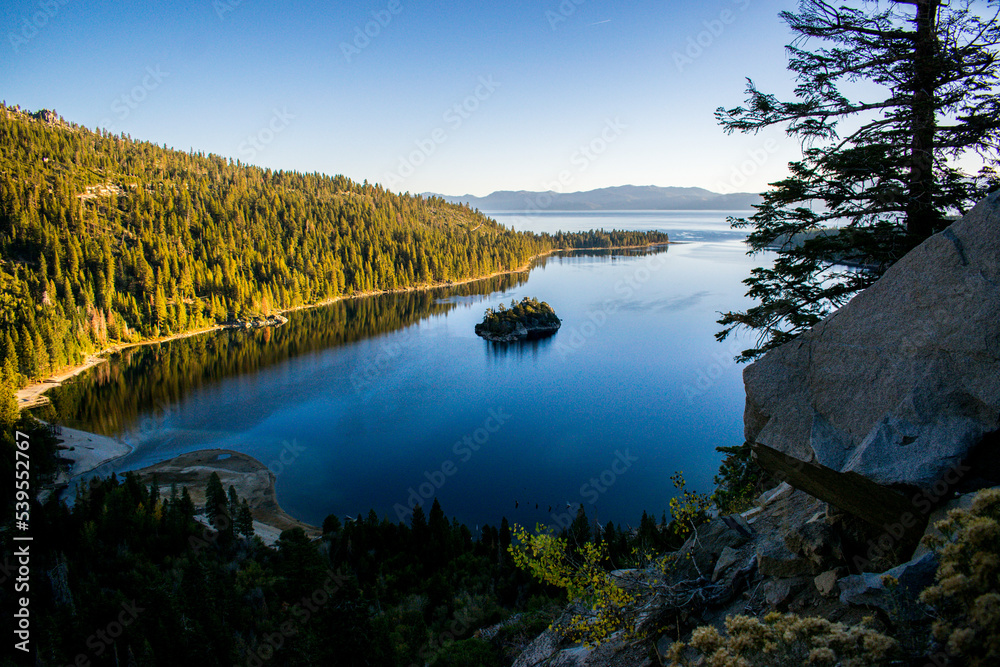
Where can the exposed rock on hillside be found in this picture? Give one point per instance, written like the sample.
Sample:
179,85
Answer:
782,555
742,564
896,388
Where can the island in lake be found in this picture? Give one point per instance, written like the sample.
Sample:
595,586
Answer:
527,319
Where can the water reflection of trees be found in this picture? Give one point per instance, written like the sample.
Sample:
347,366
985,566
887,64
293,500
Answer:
608,254
531,346
150,378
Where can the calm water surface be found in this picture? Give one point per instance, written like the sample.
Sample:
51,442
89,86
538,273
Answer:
375,403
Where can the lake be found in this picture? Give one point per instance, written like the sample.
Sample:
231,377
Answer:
380,402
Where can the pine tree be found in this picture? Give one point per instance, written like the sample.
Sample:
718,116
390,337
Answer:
331,524
233,501
878,174
154,491
418,523
244,520
185,506
192,240
8,401
440,529
215,499
579,530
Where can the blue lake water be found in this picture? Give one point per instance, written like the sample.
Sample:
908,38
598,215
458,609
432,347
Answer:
376,403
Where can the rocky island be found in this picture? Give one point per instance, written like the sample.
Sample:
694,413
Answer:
527,319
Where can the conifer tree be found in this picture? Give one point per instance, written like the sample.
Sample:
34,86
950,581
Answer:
879,171
185,506
233,501
172,241
244,520
215,498
8,401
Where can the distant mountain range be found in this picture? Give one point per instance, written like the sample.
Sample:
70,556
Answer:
621,198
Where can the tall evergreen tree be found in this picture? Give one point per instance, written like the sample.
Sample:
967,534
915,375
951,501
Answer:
215,498
185,506
879,173
244,520
8,401
232,501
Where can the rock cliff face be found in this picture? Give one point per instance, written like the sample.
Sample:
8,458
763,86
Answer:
895,389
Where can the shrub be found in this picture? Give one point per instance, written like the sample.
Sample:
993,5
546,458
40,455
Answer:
604,607
688,510
783,640
966,594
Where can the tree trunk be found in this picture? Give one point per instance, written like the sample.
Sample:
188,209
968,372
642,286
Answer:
922,219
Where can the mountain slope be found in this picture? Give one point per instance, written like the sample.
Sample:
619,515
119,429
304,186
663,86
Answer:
620,198
105,238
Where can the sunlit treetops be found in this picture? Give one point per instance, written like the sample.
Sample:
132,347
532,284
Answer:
104,238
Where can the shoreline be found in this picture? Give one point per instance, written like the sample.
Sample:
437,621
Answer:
84,452
33,395
93,450
252,480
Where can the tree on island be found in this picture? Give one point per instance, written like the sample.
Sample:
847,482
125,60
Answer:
882,167
529,317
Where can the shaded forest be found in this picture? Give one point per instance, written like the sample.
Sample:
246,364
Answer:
127,576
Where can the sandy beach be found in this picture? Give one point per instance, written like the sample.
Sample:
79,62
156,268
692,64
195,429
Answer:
32,395
85,451
89,450
251,479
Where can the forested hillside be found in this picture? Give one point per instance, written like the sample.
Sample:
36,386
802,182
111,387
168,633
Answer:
104,238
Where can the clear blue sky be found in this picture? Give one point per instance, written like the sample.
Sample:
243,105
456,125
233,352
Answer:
299,85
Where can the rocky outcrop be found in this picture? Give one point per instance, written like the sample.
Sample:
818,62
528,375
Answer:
895,592
48,116
520,332
528,319
894,390
730,565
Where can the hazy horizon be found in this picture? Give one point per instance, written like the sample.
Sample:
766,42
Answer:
455,98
